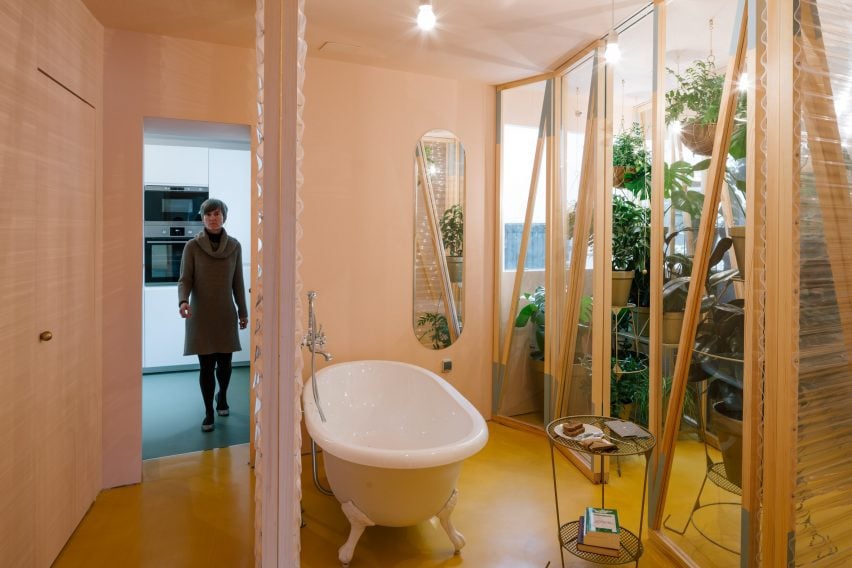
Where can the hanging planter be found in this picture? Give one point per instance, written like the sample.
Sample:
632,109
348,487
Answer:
618,176
622,280
698,137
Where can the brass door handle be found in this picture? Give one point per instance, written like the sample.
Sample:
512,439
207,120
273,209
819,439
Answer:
45,336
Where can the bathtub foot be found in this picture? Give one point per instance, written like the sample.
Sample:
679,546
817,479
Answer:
358,521
444,516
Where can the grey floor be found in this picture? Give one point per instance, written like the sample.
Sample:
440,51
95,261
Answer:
172,412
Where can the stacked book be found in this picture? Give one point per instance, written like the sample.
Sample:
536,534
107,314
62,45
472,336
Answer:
599,532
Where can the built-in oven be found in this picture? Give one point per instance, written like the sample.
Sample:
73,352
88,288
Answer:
173,203
164,248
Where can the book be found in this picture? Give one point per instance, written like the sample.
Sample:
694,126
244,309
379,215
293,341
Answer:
601,528
582,546
626,429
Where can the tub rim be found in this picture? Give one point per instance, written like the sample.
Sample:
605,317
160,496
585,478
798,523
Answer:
435,456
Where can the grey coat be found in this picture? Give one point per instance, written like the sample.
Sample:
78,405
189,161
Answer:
212,282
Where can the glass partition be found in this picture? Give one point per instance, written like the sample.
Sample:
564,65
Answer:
704,196
523,391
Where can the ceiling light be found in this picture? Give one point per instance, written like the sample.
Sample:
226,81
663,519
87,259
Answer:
425,16
613,52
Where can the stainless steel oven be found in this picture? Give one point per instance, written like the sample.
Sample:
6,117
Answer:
164,249
173,203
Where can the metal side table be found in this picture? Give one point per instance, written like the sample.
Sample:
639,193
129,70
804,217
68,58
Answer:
631,543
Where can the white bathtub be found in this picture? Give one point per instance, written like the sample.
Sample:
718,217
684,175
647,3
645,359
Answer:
394,440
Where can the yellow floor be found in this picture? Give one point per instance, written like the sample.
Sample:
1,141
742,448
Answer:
196,510
191,510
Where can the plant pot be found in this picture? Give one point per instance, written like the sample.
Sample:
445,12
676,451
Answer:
672,323
618,176
622,280
728,425
698,137
455,266
737,235
537,366
643,321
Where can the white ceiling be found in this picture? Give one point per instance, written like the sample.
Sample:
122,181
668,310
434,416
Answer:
493,41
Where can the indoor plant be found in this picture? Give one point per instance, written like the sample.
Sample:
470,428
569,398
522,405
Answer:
452,234
630,245
631,162
533,313
694,102
435,326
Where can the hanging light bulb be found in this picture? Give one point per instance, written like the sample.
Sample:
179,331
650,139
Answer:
613,52
425,15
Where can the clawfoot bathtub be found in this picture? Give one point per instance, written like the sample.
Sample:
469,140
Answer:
394,441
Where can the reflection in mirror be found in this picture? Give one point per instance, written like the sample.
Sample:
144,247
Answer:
438,239
702,508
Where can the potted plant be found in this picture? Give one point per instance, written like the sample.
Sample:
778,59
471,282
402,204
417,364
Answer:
631,163
678,274
434,326
629,387
452,233
695,103
533,313
630,245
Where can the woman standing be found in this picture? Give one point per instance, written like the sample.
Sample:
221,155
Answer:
212,300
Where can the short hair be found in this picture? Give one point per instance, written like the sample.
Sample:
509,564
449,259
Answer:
211,205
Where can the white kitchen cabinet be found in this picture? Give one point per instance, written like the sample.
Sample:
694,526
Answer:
230,181
163,333
175,165
163,329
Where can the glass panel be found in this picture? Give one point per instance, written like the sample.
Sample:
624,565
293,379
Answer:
438,239
703,506
579,96
823,469
524,112
631,219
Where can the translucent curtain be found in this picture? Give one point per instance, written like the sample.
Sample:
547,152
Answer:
823,83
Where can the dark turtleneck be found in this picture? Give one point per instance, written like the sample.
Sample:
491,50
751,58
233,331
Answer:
215,239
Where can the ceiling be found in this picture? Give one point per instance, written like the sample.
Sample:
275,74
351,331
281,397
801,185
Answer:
493,41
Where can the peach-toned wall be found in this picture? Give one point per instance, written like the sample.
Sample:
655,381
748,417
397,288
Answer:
361,127
146,75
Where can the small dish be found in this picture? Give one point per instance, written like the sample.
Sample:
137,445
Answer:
589,431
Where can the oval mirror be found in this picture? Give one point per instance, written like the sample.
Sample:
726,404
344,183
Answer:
439,189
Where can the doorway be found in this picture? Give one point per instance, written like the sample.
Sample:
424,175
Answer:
183,163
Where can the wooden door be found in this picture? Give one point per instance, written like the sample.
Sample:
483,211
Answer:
50,408
18,335
67,405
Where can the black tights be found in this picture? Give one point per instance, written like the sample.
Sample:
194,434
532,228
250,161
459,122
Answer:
221,362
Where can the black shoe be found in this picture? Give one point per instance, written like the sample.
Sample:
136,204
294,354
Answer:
207,424
221,410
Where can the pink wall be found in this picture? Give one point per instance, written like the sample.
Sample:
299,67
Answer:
147,75
361,127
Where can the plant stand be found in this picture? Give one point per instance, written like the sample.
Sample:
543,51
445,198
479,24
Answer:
631,543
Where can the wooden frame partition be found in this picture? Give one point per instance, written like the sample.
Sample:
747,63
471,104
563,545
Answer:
588,203
544,128
700,269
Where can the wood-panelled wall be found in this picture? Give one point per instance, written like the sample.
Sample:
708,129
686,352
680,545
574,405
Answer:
50,409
